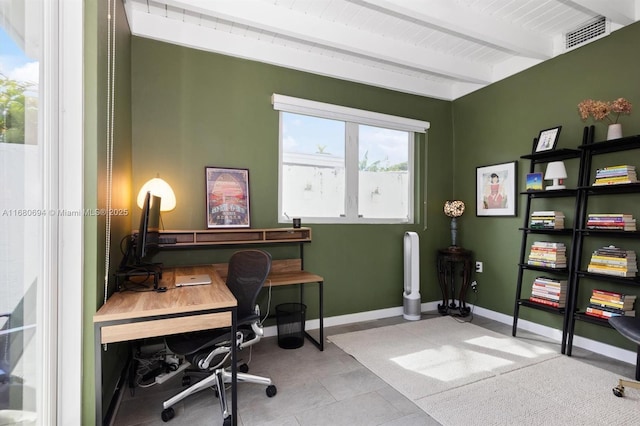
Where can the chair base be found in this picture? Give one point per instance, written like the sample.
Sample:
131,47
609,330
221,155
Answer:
619,390
217,380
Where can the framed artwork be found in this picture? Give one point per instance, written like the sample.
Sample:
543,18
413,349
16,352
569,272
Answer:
227,197
496,189
547,139
534,182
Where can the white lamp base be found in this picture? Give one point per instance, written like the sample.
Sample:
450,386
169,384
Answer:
556,185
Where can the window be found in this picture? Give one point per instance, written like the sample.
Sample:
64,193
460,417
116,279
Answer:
342,165
41,343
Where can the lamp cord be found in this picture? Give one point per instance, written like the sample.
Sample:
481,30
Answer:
111,60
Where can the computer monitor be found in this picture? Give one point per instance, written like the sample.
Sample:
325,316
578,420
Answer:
149,229
135,265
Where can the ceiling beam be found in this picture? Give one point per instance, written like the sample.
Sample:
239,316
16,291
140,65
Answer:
200,37
463,22
321,32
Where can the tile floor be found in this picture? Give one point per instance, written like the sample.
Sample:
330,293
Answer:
314,388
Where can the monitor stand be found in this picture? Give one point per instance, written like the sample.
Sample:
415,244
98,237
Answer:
130,268
144,271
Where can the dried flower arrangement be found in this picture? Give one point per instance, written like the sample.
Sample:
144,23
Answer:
601,110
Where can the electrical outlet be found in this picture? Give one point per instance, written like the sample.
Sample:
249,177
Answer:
474,286
478,266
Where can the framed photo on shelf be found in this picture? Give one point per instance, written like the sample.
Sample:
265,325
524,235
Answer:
534,182
227,197
547,139
496,189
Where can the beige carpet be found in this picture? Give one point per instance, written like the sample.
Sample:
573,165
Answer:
463,374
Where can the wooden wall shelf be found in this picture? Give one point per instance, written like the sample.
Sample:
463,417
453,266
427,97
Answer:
220,237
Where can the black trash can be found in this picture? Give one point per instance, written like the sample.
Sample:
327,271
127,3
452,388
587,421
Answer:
290,319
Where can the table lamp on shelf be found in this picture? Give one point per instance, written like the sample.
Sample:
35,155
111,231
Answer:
454,210
556,172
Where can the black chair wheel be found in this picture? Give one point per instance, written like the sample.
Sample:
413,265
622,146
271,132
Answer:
186,380
227,421
244,368
618,391
168,414
271,391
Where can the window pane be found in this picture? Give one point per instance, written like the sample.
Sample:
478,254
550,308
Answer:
383,177
21,218
313,166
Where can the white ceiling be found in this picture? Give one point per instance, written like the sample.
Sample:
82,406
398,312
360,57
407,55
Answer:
438,48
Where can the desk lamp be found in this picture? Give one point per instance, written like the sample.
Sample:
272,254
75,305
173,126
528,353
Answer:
454,210
160,188
556,172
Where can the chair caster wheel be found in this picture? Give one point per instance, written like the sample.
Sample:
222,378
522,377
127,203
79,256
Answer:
271,391
244,368
618,391
167,414
186,380
227,421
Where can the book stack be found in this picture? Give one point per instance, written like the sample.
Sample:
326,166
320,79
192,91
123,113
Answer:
550,292
614,261
615,175
611,221
548,254
546,220
607,304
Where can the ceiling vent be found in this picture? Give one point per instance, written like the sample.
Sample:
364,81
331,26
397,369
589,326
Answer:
587,33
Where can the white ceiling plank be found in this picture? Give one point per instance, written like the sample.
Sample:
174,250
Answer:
483,29
325,33
205,38
438,48
622,12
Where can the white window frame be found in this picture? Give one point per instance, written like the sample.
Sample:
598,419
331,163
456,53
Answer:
70,244
352,118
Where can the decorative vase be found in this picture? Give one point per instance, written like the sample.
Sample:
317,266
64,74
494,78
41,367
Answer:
614,131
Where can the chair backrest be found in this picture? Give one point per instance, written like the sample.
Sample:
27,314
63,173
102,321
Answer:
248,270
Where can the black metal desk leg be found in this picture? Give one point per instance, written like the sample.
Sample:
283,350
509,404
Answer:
234,369
320,295
97,348
318,343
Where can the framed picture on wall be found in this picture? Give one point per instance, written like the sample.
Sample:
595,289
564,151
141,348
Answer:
496,189
227,197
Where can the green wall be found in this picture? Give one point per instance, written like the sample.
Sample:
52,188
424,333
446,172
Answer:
95,185
181,109
193,109
498,123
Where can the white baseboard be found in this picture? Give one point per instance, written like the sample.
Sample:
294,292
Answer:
549,332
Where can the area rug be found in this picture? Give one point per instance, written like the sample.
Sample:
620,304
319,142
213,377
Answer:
462,374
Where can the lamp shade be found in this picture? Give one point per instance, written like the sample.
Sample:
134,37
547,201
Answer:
556,172
454,208
160,188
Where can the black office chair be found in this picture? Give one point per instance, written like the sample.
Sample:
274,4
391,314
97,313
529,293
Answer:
210,351
629,327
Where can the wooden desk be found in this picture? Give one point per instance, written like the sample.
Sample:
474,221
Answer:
290,272
283,272
133,315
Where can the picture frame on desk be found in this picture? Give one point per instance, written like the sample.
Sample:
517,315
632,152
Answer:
227,197
496,189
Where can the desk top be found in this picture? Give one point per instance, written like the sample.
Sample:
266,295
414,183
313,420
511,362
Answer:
133,305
